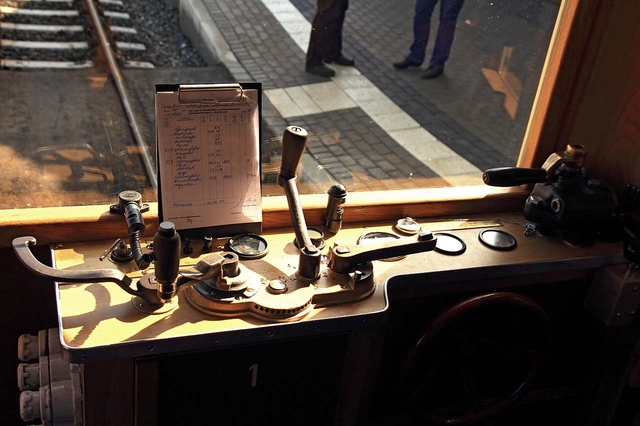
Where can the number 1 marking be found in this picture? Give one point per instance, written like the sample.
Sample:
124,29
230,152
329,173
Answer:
254,375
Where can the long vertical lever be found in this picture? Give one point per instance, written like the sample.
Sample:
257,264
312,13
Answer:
294,142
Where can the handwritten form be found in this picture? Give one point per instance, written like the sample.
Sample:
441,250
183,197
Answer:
208,156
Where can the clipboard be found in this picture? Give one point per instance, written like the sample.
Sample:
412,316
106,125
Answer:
208,150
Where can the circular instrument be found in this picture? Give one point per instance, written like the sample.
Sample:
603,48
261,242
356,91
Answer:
408,225
449,244
378,237
248,246
498,240
315,235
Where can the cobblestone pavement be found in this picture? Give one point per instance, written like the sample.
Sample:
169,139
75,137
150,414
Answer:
374,123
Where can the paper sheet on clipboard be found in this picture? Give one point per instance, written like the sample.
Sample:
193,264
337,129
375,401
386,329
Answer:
208,156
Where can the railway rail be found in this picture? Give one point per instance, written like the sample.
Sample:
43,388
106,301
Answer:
61,34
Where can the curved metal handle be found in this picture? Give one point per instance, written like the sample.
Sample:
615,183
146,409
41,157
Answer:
346,258
21,248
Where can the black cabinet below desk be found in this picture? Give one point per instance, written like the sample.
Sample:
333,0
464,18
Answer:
282,383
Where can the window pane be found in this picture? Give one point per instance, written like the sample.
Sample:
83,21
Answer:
66,138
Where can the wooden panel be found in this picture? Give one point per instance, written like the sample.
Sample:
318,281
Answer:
90,223
563,63
108,393
146,392
605,108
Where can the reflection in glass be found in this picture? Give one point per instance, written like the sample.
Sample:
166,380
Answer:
372,126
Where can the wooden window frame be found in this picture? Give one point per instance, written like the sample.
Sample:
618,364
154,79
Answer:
81,223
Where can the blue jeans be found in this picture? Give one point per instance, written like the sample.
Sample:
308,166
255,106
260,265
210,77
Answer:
449,10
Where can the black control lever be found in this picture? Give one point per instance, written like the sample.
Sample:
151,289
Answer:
513,176
564,199
571,160
294,142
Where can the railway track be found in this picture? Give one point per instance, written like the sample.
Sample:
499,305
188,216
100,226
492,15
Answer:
77,124
63,34
69,35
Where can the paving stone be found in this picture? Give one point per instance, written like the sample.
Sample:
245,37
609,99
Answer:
269,55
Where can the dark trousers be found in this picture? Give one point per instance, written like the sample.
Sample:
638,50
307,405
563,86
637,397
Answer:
326,32
449,10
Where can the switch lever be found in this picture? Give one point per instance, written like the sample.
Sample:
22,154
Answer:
294,142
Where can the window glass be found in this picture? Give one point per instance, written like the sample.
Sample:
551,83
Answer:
418,93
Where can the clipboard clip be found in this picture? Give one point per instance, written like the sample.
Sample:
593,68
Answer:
216,94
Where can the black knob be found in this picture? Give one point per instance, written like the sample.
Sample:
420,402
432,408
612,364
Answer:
333,213
208,245
126,197
166,250
187,249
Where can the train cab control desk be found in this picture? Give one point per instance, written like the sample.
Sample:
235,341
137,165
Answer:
303,327
100,323
99,320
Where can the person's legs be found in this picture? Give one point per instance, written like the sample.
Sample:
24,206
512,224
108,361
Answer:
334,36
449,10
317,40
326,22
421,26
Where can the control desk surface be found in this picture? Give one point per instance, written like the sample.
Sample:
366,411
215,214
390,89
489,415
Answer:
99,321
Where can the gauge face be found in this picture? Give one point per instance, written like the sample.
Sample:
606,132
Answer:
499,240
376,237
248,246
315,235
408,226
379,237
449,244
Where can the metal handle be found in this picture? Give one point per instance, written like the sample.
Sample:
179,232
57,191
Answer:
21,248
345,259
294,142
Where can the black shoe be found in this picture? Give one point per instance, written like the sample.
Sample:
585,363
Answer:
406,63
321,70
433,71
341,60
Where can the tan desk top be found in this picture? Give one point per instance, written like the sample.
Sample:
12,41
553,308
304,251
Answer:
98,321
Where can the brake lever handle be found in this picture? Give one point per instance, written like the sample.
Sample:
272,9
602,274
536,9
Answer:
21,248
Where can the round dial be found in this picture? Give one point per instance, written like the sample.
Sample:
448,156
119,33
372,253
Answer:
378,237
248,246
498,240
449,244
